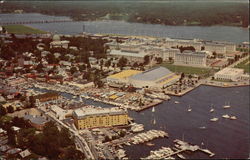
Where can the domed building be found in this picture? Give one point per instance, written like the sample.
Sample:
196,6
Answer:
57,43
56,37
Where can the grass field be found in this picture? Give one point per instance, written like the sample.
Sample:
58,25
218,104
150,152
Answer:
22,29
244,65
186,69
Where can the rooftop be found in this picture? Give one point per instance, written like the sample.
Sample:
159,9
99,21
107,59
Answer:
89,110
35,119
152,74
131,54
124,74
231,71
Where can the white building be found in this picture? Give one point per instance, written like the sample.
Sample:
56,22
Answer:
131,56
155,78
57,43
230,74
188,58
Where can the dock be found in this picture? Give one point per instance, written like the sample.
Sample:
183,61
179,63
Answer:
139,109
166,152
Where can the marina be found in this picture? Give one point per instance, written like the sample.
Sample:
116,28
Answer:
180,146
139,138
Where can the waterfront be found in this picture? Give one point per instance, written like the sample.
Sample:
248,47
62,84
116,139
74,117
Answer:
226,138
220,33
181,124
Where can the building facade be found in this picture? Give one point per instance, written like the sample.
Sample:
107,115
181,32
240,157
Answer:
195,59
229,74
85,118
50,96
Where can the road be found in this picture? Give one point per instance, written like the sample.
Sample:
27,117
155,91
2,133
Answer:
82,142
237,62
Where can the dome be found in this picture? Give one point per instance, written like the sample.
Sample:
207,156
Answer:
56,37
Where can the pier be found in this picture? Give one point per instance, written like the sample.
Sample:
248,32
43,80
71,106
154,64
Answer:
138,109
166,152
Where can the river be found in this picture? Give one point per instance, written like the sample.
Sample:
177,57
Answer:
221,33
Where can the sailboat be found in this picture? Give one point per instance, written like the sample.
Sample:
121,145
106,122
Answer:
226,106
153,109
189,109
212,109
154,122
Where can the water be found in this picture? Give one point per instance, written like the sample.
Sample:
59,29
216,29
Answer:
226,138
221,33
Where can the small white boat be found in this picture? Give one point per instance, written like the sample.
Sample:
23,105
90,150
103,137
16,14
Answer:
233,117
226,106
154,122
214,119
226,116
211,110
176,102
153,109
189,109
202,127
181,156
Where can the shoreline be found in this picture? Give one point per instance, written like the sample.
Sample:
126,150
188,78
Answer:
73,19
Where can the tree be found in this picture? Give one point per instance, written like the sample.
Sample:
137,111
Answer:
11,136
146,59
214,54
122,62
182,76
73,70
39,68
82,68
159,60
2,111
10,109
108,63
64,138
135,65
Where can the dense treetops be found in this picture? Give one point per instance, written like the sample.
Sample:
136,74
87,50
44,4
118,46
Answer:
165,12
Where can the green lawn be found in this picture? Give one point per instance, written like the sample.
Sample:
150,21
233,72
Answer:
244,65
186,69
22,29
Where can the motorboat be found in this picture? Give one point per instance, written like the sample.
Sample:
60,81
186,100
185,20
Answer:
176,102
214,119
226,116
181,156
189,109
233,117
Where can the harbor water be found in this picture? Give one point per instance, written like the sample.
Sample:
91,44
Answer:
226,138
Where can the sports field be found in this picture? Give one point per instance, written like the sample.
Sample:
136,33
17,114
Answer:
22,29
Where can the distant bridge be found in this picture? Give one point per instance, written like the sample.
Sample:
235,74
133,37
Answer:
33,22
